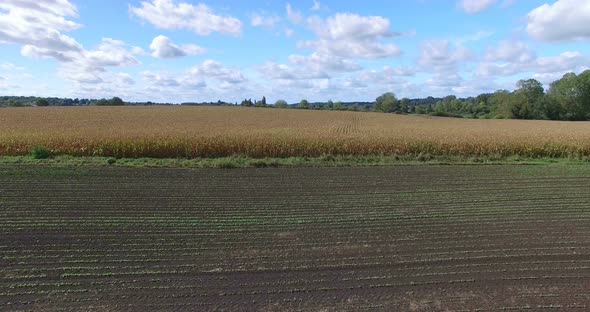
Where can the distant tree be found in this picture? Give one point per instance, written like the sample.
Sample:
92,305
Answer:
281,104
532,92
263,102
329,105
116,101
571,94
303,104
420,109
101,102
41,102
247,102
500,103
386,103
405,105
338,106
439,107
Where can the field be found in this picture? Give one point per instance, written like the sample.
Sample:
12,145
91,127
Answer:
190,132
411,238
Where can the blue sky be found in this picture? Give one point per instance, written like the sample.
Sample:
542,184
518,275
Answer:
185,50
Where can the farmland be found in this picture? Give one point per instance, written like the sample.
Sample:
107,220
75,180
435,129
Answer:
410,238
192,132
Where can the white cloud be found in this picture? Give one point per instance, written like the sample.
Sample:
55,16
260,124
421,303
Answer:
166,14
566,61
562,20
316,5
38,23
163,47
294,16
510,51
10,67
160,79
216,70
198,77
443,60
475,6
512,58
314,66
386,78
288,32
351,36
258,20
124,79
440,56
90,65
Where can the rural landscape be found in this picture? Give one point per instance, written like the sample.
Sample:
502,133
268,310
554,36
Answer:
272,156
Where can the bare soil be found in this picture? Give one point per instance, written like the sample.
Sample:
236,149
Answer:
415,238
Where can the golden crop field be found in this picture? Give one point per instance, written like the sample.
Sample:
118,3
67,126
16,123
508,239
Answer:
263,132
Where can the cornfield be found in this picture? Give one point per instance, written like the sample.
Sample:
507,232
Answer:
190,132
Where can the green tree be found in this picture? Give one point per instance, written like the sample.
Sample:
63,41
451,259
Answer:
405,105
281,104
420,109
500,103
386,103
571,95
116,101
303,104
533,93
102,102
329,105
439,107
338,106
41,102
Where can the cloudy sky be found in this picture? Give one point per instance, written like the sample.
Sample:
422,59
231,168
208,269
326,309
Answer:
191,50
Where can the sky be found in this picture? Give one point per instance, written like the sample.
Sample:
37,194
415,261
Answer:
342,50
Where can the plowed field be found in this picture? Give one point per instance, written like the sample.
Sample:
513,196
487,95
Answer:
416,238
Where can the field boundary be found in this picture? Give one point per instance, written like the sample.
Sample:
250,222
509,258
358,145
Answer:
289,162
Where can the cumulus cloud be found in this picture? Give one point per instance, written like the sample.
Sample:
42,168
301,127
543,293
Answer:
562,20
288,32
38,25
386,78
161,79
509,58
314,66
510,51
293,15
167,14
89,66
216,70
163,47
198,77
351,35
124,79
10,67
316,5
259,20
475,6
444,61
440,56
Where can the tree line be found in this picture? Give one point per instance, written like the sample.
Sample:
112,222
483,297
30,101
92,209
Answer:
22,101
567,98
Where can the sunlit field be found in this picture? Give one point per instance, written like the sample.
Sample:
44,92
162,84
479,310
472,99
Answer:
189,132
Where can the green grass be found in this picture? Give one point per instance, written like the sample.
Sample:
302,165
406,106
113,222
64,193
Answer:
323,161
